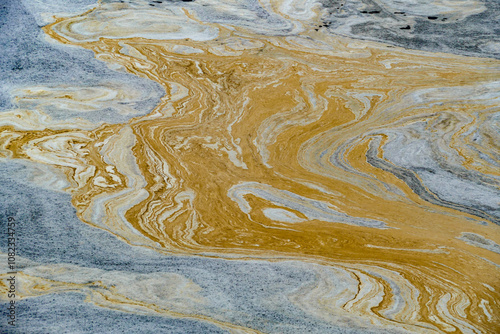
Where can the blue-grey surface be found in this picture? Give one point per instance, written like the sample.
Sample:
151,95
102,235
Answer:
48,232
467,27
68,313
29,61
273,297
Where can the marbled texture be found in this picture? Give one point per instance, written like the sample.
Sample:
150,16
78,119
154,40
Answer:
263,166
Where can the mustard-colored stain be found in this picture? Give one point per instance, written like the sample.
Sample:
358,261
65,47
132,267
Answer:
275,115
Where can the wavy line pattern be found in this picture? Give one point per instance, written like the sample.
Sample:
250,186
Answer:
281,140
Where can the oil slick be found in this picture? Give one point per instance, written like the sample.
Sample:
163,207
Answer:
257,167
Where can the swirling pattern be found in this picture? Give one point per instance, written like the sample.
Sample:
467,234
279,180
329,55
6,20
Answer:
258,167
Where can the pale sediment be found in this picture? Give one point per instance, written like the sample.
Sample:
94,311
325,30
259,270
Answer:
244,170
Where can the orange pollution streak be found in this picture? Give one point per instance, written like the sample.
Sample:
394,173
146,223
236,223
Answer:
263,117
